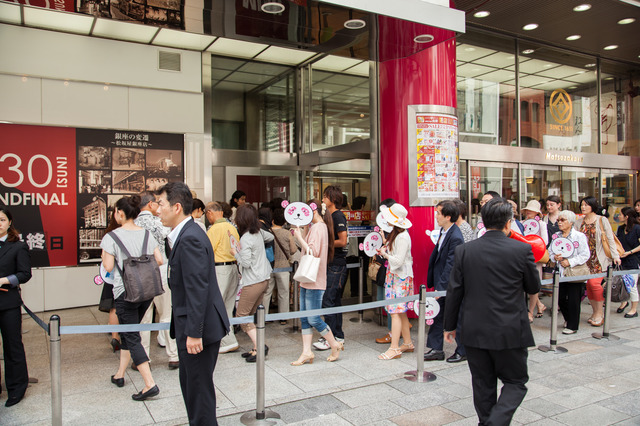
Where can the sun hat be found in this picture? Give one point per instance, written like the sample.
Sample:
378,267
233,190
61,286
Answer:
396,215
533,206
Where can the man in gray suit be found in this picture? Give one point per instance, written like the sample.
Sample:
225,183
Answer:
494,272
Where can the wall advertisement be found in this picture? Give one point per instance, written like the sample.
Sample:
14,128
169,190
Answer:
60,184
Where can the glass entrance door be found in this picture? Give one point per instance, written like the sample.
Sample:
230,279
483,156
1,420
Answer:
538,182
617,192
578,183
499,177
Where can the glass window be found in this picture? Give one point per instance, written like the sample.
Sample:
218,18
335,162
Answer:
538,182
617,192
501,178
253,105
620,109
577,184
486,89
558,94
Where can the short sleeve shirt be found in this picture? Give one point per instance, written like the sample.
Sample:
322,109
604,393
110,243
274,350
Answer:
339,225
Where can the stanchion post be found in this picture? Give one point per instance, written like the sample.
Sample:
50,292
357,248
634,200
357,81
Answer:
261,415
553,340
419,375
56,384
360,318
607,307
296,302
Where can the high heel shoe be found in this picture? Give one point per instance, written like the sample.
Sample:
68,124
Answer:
115,344
304,359
335,357
118,382
397,354
407,347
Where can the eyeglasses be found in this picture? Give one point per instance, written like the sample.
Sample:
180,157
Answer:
562,220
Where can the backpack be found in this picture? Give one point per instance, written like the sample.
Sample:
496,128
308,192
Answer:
140,275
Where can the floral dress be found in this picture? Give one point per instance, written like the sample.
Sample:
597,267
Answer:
589,229
396,287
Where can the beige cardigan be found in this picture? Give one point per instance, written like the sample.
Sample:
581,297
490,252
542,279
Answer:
602,257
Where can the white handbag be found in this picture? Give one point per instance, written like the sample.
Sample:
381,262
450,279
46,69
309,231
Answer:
307,271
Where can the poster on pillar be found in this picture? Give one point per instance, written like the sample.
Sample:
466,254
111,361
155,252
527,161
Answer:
37,185
112,164
433,154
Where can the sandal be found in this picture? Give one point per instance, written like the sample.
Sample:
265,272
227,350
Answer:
530,317
335,357
539,315
595,323
407,347
384,356
304,359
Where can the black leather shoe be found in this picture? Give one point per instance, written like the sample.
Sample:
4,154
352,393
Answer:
622,308
115,344
13,400
174,365
456,357
141,396
118,382
254,358
631,316
434,355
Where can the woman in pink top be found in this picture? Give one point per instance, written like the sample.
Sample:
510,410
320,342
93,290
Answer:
319,241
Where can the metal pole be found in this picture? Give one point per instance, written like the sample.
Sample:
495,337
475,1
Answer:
553,340
56,384
296,301
607,306
360,317
419,375
261,415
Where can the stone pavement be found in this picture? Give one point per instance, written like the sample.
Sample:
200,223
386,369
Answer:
595,383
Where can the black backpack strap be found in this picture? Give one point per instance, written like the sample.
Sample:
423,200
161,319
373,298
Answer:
119,244
145,242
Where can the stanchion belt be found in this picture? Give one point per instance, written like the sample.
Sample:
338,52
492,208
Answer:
287,269
41,323
588,277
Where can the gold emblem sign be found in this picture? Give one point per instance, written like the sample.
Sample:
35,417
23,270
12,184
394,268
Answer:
561,106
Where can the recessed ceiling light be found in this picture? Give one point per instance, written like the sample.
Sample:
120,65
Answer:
423,38
572,87
481,14
590,65
573,37
469,49
611,47
354,24
530,27
582,7
528,51
626,21
609,78
272,7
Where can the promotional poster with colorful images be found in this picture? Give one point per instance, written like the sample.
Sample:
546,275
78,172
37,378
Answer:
437,155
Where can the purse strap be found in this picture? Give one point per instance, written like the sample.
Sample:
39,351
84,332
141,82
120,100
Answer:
281,247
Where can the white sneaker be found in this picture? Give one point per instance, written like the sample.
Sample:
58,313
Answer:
228,348
322,344
569,331
161,341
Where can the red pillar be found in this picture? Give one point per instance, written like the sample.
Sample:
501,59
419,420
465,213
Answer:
410,77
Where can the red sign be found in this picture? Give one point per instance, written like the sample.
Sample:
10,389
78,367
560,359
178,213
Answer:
64,5
357,215
38,185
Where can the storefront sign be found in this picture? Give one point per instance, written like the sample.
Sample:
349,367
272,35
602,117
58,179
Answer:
359,231
357,215
566,158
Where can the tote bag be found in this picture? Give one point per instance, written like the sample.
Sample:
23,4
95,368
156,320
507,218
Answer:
307,271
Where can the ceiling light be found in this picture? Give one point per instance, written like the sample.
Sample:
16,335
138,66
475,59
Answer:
573,37
469,49
582,7
590,65
423,38
609,78
528,51
530,27
626,21
272,7
572,87
611,47
354,24
481,14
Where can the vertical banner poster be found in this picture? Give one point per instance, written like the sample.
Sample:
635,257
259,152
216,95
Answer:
116,163
37,184
433,155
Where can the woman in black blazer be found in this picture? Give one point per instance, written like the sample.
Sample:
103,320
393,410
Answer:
15,269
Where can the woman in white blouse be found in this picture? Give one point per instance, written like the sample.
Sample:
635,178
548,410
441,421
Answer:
399,279
570,293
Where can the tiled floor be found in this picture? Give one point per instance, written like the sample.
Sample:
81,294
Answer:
595,383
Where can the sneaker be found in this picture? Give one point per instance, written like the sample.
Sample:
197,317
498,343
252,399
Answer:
229,348
569,331
322,344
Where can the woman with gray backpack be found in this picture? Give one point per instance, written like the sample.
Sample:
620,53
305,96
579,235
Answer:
133,255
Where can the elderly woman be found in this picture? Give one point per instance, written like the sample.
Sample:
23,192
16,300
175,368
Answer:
570,293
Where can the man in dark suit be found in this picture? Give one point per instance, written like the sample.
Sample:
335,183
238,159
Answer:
493,272
440,264
199,319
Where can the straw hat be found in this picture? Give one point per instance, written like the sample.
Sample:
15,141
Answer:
533,206
396,215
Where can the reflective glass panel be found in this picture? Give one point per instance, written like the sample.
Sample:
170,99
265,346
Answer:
577,184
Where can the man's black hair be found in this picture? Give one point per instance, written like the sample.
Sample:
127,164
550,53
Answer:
178,192
496,213
449,208
494,194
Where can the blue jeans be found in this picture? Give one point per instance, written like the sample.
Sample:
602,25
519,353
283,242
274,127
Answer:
336,278
309,300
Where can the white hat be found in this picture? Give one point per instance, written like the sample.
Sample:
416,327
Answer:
396,215
533,206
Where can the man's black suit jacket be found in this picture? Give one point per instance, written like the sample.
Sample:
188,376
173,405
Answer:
492,273
14,260
198,308
441,260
